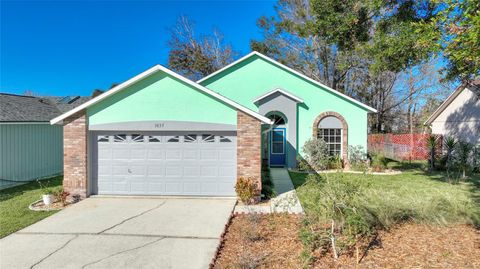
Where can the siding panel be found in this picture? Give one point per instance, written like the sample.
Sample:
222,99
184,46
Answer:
30,151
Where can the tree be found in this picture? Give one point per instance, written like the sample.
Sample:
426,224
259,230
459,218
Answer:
455,31
197,56
289,38
360,48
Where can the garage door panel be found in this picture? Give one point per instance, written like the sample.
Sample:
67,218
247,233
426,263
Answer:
224,187
191,171
190,154
156,164
209,171
104,170
104,153
191,187
226,171
154,153
119,170
173,154
154,171
121,185
138,154
156,187
137,170
208,154
226,154
174,171
138,187
121,153
173,187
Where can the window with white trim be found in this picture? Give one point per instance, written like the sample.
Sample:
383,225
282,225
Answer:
330,129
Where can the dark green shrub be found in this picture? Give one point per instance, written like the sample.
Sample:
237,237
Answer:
378,162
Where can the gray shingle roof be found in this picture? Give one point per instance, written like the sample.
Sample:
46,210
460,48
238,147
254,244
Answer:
20,108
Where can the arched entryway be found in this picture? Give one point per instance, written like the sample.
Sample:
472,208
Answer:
333,129
276,139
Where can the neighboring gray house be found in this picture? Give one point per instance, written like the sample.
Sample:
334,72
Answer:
30,147
459,115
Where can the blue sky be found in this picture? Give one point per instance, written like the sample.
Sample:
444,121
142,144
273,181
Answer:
72,47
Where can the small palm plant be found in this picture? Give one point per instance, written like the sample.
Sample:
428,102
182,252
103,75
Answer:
431,145
464,150
450,143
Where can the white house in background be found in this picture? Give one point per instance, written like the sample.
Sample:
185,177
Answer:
459,114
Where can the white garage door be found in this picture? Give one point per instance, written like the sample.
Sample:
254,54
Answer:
202,164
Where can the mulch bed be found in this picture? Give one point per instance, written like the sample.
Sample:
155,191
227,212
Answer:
271,241
417,246
261,241
40,206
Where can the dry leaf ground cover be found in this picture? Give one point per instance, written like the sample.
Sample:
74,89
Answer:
261,241
275,244
415,246
418,220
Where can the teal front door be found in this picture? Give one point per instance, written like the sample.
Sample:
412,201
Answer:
278,151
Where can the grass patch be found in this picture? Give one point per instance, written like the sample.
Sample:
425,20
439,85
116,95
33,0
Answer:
359,205
14,202
412,195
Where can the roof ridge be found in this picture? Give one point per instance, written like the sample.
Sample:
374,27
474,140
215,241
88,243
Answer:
290,70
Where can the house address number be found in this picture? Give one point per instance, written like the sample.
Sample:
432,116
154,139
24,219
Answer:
159,125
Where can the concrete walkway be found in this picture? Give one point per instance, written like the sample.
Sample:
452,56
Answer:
122,233
285,201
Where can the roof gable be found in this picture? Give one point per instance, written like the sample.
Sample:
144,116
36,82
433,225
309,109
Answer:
149,72
289,70
280,91
460,90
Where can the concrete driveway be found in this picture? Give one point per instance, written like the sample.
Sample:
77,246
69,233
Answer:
121,233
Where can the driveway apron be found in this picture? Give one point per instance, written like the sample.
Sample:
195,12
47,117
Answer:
122,233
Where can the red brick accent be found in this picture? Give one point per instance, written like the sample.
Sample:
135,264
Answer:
75,132
249,160
345,132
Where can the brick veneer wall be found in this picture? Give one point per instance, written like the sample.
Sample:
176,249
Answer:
249,160
75,132
344,135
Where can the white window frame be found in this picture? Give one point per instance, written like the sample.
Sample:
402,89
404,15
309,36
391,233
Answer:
320,131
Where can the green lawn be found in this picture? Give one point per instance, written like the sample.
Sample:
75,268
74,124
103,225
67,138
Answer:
414,195
14,202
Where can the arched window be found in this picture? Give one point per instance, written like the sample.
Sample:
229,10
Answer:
330,129
277,119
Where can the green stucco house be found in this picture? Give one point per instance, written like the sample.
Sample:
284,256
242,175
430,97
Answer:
159,133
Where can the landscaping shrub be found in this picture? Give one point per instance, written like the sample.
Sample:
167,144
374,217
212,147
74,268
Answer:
246,189
315,154
357,158
335,162
61,195
459,157
378,162
463,156
331,199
